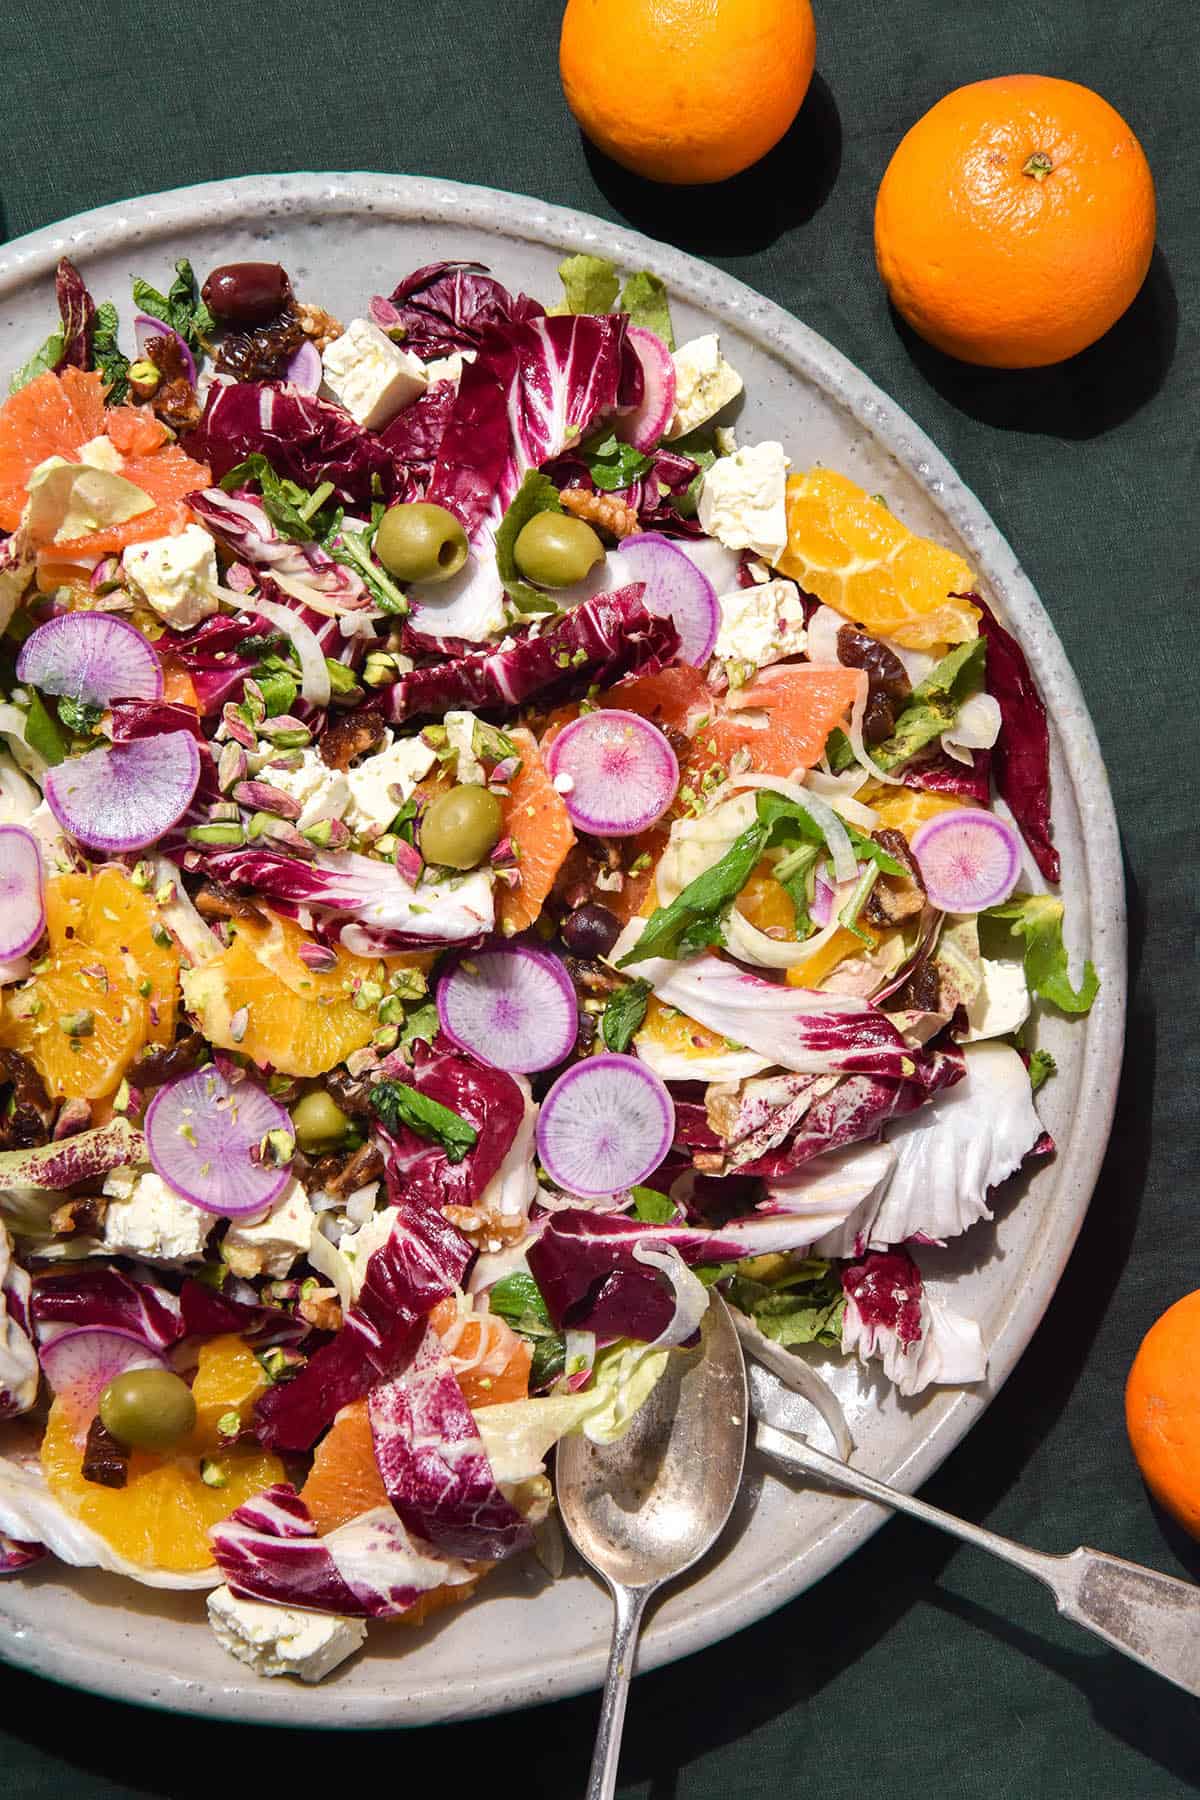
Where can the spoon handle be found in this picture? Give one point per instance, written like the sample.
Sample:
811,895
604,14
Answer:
1153,1618
628,1607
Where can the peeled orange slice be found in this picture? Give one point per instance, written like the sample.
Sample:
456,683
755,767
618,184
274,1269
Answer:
535,818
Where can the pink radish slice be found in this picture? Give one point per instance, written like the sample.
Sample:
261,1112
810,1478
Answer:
80,1364
125,797
969,860
675,589
644,426
616,772
15,1556
304,370
821,906
512,1006
204,1134
91,656
22,908
145,328
604,1126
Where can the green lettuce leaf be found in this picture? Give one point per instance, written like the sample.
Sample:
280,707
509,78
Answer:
1037,919
42,733
644,298
536,494
106,354
653,1208
613,464
590,284
932,708
46,357
802,1304
398,1104
1041,1067
519,1434
624,1014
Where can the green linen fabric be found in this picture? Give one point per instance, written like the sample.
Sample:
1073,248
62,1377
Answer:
918,1668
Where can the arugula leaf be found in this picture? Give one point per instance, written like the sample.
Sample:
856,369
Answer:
804,1304
282,499
932,708
536,494
1038,920
699,446
180,307
78,716
42,733
653,1208
644,298
107,356
1041,1067
42,360
613,464
518,1300
792,872
590,284
421,1022
624,1014
397,1104
783,815
694,918
353,549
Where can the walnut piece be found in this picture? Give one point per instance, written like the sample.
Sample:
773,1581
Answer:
322,1309
604,510
319,325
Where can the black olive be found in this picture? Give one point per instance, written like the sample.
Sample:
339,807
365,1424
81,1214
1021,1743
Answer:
247,293
591,931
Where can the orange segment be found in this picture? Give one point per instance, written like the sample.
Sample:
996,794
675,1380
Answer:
856,556
789,712
230,1379
277,944
675,698
491,1362
536,820
53,416
906,809
105,909
766,904
824,961
674,1031
280,1028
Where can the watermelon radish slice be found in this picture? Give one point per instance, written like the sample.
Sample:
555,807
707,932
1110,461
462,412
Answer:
80,1364
675,589
205,1135
22,908
512,1006
604,1126
145,327
93,657
644,426
304,368
969,860
126,796
616,772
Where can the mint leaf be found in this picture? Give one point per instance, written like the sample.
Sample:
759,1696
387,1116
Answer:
180,307
613,464
282,500
536,494
1038,920
699,446
1041,1067
40,363
653,1208
107,356
624,1015
399,1105
644,298
933,706
590,284
694,918
42,733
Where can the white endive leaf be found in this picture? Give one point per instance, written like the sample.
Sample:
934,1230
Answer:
30,1513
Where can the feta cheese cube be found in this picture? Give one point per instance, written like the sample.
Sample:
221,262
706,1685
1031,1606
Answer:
148,1219
381,784
460,735
282,1640
270,1244
101,453
761,624
176,576
704,383
1001,1005
743,500
370,376
319,791
448,368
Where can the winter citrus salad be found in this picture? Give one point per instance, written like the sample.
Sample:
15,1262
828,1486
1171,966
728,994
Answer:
487,858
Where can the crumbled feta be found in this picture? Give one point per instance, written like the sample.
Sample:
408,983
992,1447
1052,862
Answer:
448,368
319,791
282,1640
1001,1004
101,453
743,500
381,784
725,438
270,1245
460,735
704,383
148,1219
370,376
176,576
761,624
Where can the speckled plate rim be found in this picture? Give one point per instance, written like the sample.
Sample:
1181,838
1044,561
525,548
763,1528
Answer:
255,198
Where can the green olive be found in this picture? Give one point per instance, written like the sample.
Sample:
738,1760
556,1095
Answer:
461,827
421,542
319,1123
148,1409
556,550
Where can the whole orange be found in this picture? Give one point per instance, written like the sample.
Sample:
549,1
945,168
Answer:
1015,222
1162,1411
686,90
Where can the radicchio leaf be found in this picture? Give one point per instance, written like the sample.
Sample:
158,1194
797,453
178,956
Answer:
940,774
422,1261
77,311
414,438
107,1296
207,1312
304,439
15,1556
597,642
448,306
244,528
368,1568
18,1358
433,1463
419,1172
890,1315
1021,757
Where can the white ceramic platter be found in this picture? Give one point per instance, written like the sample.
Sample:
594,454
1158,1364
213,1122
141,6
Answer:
343,238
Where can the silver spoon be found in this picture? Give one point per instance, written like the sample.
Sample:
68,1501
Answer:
1153,1618
646,1508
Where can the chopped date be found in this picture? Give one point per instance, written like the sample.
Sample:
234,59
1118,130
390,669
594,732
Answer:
174,400
154,1068
888,686
349,735
263,353
105,1461
26,1110
895,898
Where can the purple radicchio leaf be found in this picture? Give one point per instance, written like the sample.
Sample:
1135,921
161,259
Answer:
434,1465
941,774
422,1261
448,306
419,1173
242,526
207,1312
77,311
414,437
108,1296
1021,756
303,438
597,642
18,1358
368,1568
15,1556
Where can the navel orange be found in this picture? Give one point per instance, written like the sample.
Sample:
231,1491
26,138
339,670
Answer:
1015,222
1162,1411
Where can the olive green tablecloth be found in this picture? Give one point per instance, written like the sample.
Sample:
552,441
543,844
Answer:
917,1668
